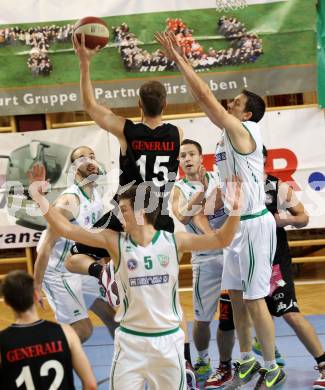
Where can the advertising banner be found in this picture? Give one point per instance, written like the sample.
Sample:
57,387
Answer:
267,46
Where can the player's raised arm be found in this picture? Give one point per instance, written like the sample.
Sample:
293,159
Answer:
240,137
107,239
103,116
222,237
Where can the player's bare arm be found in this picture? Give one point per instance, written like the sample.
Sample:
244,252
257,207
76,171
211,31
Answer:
80,361
103,116
107,239
296,214
220,238
240,137
184,210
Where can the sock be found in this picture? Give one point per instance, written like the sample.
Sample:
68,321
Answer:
226,363
246,355
269,364
204,355
95,269
187,352
320,359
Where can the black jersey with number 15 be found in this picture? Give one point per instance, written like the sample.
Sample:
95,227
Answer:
35,356
152,155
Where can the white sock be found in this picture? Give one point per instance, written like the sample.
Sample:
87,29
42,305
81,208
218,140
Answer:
204,355
246,355
269,364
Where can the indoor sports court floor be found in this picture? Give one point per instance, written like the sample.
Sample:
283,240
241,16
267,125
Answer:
299,363
310,290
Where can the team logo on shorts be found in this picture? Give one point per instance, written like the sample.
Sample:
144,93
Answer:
132,264
163,260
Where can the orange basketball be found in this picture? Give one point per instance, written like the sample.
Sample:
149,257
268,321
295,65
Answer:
95,29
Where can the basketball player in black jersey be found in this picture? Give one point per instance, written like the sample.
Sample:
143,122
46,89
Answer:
34,353
148,153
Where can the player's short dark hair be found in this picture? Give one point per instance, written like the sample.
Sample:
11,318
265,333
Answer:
254,104
72,155
145,192
188,141
153,97
18,290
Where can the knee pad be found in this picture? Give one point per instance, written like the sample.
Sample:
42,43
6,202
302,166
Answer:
226,321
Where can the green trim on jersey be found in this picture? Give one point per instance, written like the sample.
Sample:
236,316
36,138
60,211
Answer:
153,240
63,255
186,181
119,253
174,300
71,293
271,250
125,300
251,262
181,384
255,215
155,237
196,288
178,260
235,150
145,334
113,369
83,192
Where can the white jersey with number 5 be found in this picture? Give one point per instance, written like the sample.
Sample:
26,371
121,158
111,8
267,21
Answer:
147,280
248,167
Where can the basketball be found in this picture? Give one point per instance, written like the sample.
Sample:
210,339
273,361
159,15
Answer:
95,29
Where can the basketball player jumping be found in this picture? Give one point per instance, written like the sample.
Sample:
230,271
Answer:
248,261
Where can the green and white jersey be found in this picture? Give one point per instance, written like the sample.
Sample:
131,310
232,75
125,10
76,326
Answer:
189,189
249,168
90,210
147,279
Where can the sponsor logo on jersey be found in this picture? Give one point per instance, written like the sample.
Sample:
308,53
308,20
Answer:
132,264
166,146
148,280
163,260
221,157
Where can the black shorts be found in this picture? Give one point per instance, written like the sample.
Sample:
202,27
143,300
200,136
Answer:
283,297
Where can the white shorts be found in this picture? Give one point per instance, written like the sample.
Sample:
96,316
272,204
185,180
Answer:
70,295
248,260
157,361
207,273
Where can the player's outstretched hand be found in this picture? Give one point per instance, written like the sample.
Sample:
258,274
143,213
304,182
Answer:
203,177
81,50
38,187
172,49
234,195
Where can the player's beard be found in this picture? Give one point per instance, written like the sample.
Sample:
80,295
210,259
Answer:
87,178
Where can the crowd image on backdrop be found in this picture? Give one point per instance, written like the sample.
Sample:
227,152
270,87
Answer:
244,47
39,39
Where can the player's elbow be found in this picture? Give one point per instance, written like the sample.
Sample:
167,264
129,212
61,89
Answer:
304,220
